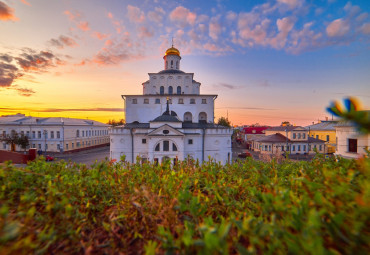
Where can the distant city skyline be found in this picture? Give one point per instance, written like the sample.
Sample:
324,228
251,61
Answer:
268,61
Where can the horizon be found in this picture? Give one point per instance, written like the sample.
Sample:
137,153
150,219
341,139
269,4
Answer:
269,62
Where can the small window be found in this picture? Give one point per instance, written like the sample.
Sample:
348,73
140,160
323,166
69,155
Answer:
192,101
204,101
51,134
161,90
304,136
327,138
304,147
181,101
178,90
299,135
157,101
166,145
174,148
293,148
320,147
170,90
299,148
166,132
38,134
134,101
294,135
146,101
158,147
190,141
317,136
143,141
58,134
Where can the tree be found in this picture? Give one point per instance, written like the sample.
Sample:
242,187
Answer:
116,123
224,122
15,139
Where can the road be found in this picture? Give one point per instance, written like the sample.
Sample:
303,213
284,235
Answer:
87,157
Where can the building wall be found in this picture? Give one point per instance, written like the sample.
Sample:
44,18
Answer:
323,135
185,81
66,141
217,145
343,135
144,113
293,148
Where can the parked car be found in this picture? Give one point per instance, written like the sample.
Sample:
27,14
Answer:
49,158
244,155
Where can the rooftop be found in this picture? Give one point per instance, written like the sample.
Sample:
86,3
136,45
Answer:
22,120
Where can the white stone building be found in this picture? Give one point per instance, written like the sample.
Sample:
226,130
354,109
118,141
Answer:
55,134
171,119
350,143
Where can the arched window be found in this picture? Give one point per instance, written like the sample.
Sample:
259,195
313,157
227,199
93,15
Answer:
158,147
178,90
171,63
170,90
161,90
78,133
166,65
177,64
202,117
188,117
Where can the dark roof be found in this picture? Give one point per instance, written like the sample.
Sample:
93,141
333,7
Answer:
283,128
323,126
258,130
136,125
171,71
314,140
276,138
166,118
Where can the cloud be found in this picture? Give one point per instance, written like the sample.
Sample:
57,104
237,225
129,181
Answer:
135,15
99,35
83,25
183,16
6,58
337,28
365,28
144,32
24,91
6,13
156,15
214,29
8,73
227,85
25,2
63,41
37,62
115,23
291,3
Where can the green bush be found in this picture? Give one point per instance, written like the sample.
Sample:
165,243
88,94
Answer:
317,207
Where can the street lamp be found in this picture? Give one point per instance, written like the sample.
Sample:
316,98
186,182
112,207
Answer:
45,134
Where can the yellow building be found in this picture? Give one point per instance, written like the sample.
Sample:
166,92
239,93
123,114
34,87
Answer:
324,130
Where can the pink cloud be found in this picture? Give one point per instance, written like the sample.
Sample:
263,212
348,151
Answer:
6,13
365,29
99,35
291,3
214,29
156,15
73,16
135,15
183,16
84,26
25,2
337,28
144,32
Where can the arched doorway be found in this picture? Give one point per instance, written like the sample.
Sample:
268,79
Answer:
202,117
188,117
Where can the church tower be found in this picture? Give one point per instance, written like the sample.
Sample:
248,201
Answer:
172,59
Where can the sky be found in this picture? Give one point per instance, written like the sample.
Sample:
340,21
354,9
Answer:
268,61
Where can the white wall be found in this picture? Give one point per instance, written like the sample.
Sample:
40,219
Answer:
343,133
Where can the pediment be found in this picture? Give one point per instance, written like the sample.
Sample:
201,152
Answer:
162,131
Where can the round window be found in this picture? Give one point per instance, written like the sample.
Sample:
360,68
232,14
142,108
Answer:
165,131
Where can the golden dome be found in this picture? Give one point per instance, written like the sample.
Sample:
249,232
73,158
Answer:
172,51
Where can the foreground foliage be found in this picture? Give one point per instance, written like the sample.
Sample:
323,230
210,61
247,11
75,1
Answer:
318,207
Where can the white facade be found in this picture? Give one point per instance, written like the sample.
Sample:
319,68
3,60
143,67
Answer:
55,134
350,143
171,119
